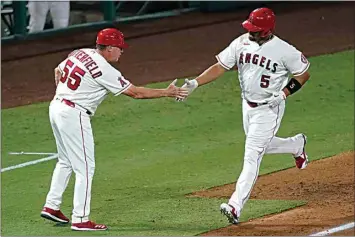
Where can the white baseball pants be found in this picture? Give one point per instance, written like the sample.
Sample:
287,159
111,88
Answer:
60,11
75,144
260,125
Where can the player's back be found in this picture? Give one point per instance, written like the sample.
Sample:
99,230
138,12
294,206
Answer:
79,71
86,78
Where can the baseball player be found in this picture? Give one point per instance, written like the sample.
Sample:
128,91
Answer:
264,62
83,81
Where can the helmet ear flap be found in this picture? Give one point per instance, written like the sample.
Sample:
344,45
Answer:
266,33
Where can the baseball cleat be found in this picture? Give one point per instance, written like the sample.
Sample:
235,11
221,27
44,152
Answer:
88,226
229,212
301,161
54,215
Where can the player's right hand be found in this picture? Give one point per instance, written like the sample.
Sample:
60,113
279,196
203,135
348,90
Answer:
190,85
177,92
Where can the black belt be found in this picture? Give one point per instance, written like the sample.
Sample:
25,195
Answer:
72,104
253,104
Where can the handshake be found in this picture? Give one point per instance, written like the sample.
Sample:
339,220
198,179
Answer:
183,92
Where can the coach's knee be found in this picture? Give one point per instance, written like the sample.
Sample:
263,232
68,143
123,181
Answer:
84,170
64,165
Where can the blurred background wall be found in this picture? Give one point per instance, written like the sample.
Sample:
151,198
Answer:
168,39
16,15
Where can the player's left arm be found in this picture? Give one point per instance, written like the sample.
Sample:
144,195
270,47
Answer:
296,83
296,63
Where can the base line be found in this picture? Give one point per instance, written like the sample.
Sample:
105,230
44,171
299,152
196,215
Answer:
335,229
29,163
30,153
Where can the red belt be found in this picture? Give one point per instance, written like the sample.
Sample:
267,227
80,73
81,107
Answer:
253,104
73,105
68,102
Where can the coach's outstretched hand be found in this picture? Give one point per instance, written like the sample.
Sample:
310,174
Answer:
177,92
190,85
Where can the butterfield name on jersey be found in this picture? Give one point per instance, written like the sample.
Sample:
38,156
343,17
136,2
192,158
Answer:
87,61
257,60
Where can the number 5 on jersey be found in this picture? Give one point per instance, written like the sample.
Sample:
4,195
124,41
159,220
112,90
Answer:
74,74
265,81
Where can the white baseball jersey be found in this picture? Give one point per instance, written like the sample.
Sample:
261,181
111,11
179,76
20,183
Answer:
263,69
87,78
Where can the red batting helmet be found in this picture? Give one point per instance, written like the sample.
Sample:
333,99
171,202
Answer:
111,37
260,20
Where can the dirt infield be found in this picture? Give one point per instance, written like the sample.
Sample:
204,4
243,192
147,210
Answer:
327,185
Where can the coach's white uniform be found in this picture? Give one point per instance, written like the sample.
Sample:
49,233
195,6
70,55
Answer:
263,70
87,78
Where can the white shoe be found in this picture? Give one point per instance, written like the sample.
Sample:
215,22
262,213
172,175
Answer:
229,212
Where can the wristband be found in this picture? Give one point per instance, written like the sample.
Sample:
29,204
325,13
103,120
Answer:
293,85
194,83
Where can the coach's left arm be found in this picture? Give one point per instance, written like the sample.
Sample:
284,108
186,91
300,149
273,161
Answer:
57,75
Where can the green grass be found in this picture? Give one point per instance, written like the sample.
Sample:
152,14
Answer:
150,153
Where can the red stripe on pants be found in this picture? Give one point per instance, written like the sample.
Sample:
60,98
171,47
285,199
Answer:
86,164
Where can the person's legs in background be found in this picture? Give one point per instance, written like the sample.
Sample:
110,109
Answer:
38,12
60,12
